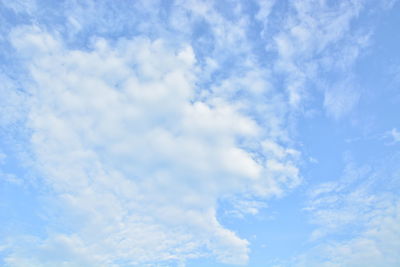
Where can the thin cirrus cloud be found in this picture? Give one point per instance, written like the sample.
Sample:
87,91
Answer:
138,124
358,215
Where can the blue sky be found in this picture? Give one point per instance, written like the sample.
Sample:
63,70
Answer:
199,133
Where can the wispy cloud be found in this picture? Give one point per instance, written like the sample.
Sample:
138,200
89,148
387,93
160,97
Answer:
394,135
357,218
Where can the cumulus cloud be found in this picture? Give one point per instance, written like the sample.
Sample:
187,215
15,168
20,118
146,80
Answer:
134,161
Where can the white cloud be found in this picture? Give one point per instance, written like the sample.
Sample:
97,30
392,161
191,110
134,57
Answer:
12,102
358,218
341,99
306,47
376,245
265,9
394,134
29,6
136,163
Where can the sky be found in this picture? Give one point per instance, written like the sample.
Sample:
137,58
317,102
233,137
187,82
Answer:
199,133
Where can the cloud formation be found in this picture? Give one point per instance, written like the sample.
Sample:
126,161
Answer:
358,218
141,117
135,162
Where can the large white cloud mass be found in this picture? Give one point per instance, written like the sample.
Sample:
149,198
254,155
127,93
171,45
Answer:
136,160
